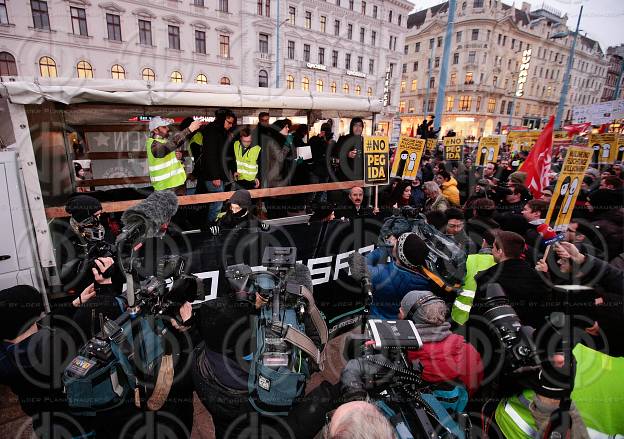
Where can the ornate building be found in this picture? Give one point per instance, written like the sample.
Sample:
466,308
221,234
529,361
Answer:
492,43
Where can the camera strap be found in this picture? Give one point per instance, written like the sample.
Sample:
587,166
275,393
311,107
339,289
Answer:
302,341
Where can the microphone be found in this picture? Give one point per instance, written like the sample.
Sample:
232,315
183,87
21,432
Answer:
148,217
549,236
300,276
359,272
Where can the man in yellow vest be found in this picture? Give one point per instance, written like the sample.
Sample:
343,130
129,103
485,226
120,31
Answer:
246,165
165,169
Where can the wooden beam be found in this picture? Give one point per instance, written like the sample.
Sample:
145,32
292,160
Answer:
120,206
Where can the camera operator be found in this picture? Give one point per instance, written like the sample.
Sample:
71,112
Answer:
221,367
82,241
446,357
29,363
393,279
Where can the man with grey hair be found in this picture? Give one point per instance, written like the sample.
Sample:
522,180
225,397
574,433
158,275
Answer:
435,199
359,420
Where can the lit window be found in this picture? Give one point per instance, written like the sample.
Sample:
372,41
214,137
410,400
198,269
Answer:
148,74
345,89
224,81
84,70
305,84
332,87
8,66
319,85
414,84
370,91
403,85
290,82
201,79
176,77
118,72
358,90
449,103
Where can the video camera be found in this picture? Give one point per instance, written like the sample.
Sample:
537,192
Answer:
379,365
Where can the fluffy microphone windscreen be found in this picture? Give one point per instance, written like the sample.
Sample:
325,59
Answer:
154,211
301,276
358,267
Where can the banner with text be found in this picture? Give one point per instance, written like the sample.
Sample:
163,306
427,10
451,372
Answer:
568,187
453,149
376,159
407,158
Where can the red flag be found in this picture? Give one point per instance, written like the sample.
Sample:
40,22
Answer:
537,164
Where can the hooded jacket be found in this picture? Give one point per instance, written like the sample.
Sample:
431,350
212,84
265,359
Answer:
214,156
350,168
450,191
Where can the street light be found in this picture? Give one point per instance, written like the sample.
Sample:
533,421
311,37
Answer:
566,78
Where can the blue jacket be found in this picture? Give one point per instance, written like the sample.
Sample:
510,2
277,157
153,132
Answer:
390,284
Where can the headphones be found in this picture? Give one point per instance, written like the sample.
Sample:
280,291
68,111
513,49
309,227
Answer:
422,301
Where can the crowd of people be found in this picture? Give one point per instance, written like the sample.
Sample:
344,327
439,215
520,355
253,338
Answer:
487,211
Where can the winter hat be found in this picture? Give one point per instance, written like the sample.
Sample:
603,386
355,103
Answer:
517,177
82,207
593,172
19,307
423,307
411,250
242,197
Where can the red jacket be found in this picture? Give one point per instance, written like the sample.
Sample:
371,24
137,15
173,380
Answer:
451,359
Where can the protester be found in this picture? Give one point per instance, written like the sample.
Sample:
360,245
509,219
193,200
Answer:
354,207
245,169
215,157
435,199
349,153
448,186
238,215
163,157
359,419
418,195
455,222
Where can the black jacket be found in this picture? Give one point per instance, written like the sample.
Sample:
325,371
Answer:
216,152
350,168
527,292
321,156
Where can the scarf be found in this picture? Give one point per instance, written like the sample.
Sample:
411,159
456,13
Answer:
431,333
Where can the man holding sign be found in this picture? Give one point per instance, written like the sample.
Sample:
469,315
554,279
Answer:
407,158
453,149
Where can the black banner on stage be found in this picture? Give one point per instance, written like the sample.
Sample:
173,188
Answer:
323,247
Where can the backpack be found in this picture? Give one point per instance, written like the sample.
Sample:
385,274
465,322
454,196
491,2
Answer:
279,370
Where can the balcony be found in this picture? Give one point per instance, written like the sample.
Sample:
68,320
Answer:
476,45
264,56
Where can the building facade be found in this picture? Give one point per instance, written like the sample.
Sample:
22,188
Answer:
615,57
506,67
339,46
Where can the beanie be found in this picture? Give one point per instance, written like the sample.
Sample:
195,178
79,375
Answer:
242,197
19,307
426,308
82,207
517,177
411,250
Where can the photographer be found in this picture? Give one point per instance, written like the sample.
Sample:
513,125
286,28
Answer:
596,401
